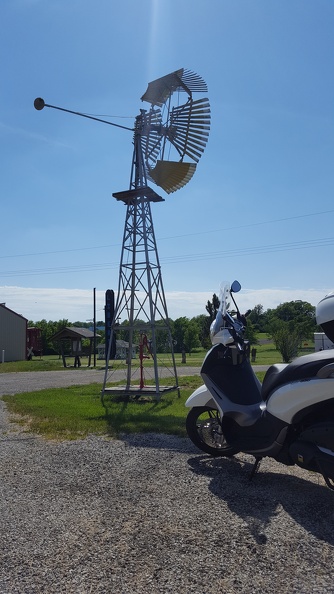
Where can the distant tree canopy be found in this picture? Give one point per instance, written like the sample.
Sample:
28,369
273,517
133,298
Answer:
298,316
48,329
257,318
288,324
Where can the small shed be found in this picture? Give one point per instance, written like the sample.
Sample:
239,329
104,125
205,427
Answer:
76,336
122,350
13,335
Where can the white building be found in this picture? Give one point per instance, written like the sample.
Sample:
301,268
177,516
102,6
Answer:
321,342
13,335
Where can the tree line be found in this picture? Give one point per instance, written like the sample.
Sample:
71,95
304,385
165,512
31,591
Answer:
288,325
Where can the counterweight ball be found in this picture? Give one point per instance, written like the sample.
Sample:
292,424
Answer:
39,103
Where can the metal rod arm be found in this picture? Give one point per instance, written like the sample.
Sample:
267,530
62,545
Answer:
39,104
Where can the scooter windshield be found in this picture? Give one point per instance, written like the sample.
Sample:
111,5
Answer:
224,297
224,303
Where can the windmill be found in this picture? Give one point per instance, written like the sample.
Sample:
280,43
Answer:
169,139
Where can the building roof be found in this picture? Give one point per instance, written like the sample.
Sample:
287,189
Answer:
73,332
3,305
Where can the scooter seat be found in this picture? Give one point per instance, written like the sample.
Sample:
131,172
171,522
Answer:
271,378
300,368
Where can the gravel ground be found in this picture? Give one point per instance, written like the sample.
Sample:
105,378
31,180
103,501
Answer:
149,513
27,381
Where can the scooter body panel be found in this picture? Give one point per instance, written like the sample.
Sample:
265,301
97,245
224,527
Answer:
288,400
243,415
200,397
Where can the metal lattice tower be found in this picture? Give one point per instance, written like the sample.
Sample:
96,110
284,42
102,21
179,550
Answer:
140,295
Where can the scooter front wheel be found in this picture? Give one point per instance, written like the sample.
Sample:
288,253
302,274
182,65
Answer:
205,431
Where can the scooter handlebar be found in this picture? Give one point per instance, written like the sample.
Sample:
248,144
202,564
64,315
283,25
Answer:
236,328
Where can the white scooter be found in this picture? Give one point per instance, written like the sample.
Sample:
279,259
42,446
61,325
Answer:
290,417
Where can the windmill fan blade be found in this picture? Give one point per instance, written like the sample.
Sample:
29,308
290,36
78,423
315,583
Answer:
151,136
183,133
189,128
194,82
172,175
162,88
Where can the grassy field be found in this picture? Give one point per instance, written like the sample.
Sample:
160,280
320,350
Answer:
266,354
54,363
75,412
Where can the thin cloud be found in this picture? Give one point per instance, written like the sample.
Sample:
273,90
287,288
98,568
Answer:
77,304
23,133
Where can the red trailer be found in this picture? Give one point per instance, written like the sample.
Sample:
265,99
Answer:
34,343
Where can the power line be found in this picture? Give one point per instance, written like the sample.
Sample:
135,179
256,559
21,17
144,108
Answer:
82,249
253,250
250,225
100,247
60,270
236,252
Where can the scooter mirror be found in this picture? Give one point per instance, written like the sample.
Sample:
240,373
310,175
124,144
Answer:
235,287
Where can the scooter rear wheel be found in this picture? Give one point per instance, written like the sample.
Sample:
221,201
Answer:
205,431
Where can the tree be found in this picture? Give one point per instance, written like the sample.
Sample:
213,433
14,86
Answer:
250,332
180,327
206,321
48,329
203,325
191,339
212,307
257,317
286,341
289,324
162,336
299,316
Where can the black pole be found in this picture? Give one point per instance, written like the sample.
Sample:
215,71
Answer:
94,321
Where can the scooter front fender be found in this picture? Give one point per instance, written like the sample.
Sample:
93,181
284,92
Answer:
201,397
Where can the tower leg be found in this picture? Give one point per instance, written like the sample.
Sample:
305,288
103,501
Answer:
141,304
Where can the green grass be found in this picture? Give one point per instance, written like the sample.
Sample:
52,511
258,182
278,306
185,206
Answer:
50,363
266,354
54,363
45,363
75,412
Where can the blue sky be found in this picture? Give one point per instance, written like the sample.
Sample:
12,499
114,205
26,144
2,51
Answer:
260,205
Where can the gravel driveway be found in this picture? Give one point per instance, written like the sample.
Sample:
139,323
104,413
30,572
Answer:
27,381
12,383
150,514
